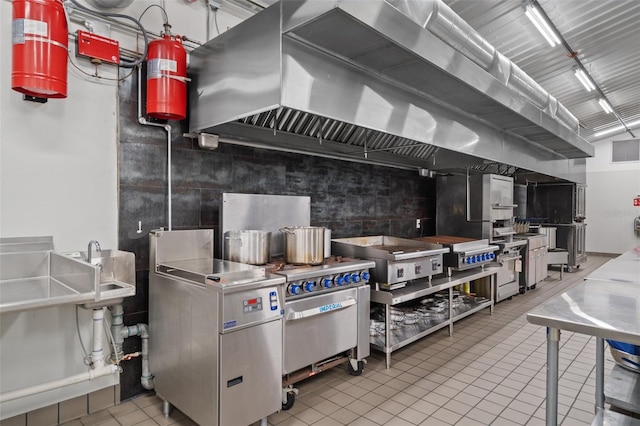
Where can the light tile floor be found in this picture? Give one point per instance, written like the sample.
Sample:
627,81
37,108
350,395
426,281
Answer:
490,372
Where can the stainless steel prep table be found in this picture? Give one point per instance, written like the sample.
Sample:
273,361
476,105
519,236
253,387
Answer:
392,341
608,310
624,268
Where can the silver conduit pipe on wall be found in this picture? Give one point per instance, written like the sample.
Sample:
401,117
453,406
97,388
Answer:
442,21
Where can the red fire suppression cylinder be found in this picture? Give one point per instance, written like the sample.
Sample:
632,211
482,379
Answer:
167,78
40,41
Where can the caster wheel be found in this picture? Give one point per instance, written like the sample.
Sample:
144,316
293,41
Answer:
358,371
291,399
570,268
510,298
577,266
533,287
522,291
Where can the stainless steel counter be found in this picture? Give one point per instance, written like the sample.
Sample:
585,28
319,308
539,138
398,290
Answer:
609,310
596,307
624,268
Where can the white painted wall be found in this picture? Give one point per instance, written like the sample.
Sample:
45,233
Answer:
58,177
611,188
58,161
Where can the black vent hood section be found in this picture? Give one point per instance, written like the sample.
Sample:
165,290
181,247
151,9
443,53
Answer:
363,81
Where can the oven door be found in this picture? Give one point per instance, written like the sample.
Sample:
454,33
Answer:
319,327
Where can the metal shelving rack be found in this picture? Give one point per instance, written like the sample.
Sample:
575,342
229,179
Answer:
396,339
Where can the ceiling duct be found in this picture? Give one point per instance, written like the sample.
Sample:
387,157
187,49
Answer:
369,82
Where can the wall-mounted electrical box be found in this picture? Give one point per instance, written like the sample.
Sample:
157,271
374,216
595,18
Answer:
97,48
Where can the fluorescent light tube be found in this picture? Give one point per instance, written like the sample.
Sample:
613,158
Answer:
605,106
615,129
542,25
586,82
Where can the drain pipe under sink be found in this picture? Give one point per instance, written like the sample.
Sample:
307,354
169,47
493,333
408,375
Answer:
99,368
167,127
121,332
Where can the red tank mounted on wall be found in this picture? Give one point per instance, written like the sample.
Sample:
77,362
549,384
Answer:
167,78
40,41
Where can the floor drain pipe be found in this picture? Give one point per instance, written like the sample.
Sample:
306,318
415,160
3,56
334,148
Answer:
121,332
167,127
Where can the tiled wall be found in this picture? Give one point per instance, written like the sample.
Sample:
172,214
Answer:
351,199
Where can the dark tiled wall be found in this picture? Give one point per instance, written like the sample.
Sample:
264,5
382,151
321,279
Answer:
351,199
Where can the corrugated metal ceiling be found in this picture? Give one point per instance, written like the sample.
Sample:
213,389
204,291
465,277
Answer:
604,33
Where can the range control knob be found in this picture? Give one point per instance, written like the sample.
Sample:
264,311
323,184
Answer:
327,282
483,257
468,260
477,258
365,276
339,280
355,278
492,256
294,289
347,278
309,286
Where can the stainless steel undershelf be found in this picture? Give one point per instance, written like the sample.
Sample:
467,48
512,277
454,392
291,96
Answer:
420,288
396,339
611,418
622,389
467,309
407,334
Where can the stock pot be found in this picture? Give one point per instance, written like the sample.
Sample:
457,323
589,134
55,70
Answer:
247,246
304,245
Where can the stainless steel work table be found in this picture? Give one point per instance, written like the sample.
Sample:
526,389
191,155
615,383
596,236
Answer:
602,309
396,339
624,268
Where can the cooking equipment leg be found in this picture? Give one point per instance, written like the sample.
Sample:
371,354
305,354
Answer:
492,284
553,346
451,311
599,374
387,330
166,408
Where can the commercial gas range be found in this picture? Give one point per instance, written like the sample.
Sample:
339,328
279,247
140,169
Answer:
466,253
216,327
397,260
326,318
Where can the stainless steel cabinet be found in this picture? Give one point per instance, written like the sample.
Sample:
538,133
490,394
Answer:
535,267
249,366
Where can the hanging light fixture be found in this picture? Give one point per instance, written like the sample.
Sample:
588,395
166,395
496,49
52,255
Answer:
615,129
605,105
542,25
585,80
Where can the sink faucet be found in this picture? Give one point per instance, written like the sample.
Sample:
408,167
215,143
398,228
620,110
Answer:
92,242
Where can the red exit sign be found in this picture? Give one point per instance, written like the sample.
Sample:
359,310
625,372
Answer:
636,202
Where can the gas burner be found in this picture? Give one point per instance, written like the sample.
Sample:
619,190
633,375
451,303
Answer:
335,273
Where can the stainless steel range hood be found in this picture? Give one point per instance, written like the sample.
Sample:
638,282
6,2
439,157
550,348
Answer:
363,81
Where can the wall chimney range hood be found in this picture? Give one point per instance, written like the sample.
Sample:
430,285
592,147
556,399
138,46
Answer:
396,82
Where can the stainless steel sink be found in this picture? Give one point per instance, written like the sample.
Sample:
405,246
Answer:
33,276
117,277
